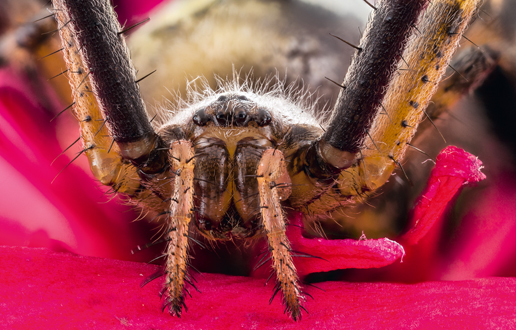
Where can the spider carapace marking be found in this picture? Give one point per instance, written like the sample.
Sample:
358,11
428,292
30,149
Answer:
228,160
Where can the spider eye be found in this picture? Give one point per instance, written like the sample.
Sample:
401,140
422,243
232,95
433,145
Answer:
221,118
222,98
200,118
241,117
263,117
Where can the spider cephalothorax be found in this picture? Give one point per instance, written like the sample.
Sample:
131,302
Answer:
230,132
242,148
227,162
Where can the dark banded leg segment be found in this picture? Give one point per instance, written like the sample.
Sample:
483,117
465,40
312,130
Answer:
182,160
103,154
272,174
407,94
91,34
366,81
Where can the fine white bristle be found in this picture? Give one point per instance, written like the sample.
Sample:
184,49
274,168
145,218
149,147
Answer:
289,103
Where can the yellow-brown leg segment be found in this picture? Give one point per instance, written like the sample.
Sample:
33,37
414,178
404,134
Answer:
182,160
103,155
427,55
271,172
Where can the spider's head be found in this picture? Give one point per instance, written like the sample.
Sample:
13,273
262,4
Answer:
231,111
230,133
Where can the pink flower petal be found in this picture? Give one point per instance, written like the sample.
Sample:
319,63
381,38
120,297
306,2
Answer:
41,289
454,168
130,11
70,213
340,254
485,245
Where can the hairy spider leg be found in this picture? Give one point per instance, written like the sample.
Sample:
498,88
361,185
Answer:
370,72
339,150
428,54
271,170
473,65
181,205
104,158
93,28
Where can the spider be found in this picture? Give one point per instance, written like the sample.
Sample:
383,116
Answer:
229,160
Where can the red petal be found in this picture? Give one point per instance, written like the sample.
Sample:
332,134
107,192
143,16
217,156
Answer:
46,290
340,254
454,168
70,213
